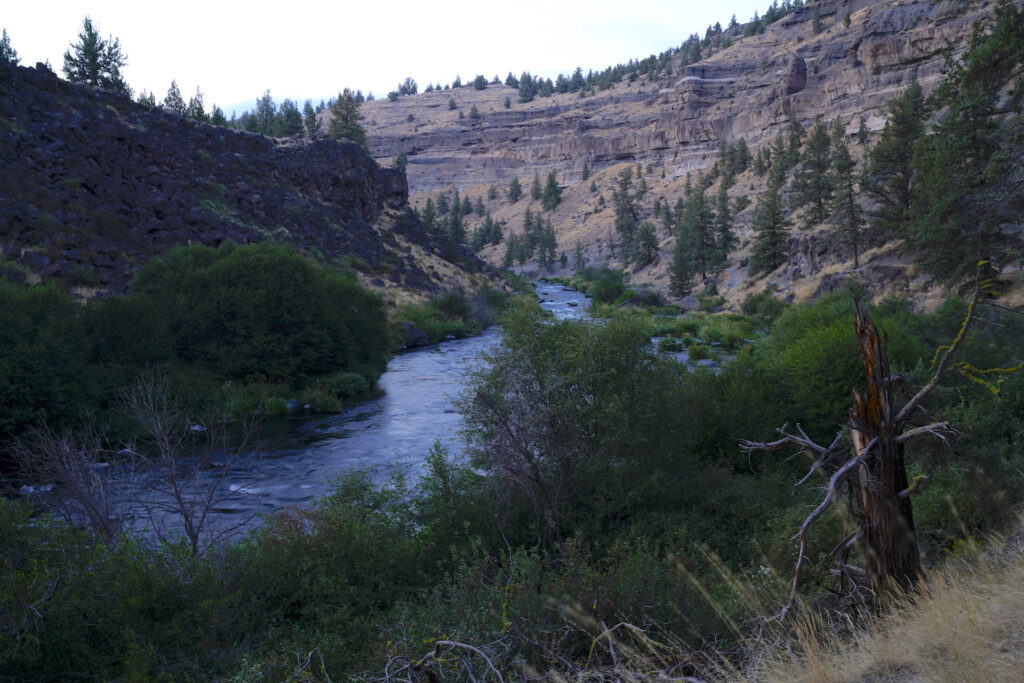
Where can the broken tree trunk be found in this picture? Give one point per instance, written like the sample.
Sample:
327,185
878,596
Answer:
887,518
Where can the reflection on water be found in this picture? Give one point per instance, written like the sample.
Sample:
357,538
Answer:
298,457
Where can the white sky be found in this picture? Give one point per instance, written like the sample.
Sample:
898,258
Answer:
235,51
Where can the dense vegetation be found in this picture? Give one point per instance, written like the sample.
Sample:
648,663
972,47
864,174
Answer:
230,328
605,486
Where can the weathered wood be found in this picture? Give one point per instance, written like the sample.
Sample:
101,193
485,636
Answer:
890,542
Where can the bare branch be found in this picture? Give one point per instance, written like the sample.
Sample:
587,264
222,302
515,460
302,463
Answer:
938,429
943,360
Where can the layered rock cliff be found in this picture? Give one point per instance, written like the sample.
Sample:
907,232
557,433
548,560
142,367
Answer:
93,185
750,89
675,125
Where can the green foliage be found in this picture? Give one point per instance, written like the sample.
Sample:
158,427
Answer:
771,227
552,193
96,62
345,118
813,180
515,190
963,200
7,52
890,172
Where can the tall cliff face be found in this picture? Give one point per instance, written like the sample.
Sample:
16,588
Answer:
93,185
667,128
751,89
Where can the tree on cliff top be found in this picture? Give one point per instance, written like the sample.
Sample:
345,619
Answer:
345,119
8,53
95,61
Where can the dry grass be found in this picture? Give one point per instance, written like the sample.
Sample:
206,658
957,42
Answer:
967,624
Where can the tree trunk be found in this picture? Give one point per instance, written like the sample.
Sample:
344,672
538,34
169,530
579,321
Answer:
887,526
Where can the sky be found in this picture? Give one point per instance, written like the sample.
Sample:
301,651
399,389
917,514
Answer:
233,52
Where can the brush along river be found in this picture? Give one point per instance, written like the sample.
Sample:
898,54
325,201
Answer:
295,460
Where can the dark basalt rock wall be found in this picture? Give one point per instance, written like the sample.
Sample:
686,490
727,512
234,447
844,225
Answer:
92,185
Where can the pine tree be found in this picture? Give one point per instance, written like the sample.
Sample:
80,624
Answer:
443,206
467,205
479,206
578,260
771,229
266,109
7,53
683,266
812,182
647,243
345,119
429,215
147,99
969,171
862,131
195,109
725,240
173,101
698,225
846,212
535,188
310,121
552,193
96,62
217,117
796,140
890,173
515,190
626,212
585,173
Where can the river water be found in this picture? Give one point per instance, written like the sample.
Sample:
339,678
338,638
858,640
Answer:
296,459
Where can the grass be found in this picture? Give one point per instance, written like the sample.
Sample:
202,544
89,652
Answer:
966,624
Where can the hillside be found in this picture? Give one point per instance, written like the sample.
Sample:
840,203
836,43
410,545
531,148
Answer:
94,185
675,124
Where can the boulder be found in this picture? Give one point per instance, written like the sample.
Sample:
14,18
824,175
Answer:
689,303
413,336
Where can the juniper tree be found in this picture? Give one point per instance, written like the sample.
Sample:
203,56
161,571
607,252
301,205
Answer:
96,62
846,212
585,173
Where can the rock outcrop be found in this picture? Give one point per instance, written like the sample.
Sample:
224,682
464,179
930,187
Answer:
751,89
93,185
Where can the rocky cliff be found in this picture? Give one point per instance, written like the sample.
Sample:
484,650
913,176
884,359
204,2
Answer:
675,124
751,89
93,185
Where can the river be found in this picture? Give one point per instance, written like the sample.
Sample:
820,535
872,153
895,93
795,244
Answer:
297,458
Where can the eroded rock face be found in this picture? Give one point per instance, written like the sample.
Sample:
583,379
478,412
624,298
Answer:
93,185
749,90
